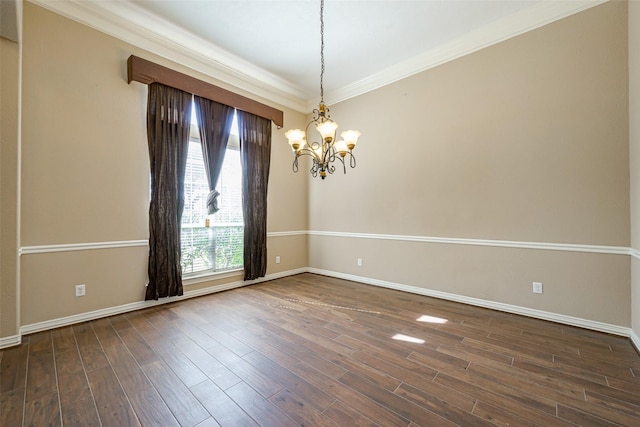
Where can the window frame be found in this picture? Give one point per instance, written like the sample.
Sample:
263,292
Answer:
209,274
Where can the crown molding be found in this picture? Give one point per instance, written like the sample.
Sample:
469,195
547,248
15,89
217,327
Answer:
536,16
132,24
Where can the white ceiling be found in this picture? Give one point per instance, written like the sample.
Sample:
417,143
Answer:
275,44
361,37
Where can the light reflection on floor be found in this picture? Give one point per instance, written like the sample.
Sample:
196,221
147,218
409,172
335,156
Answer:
407,338
431,319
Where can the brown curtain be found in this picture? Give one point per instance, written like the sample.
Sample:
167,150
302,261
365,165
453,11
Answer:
168,121
255,154
214,123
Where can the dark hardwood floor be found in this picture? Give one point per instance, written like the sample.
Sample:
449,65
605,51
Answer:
312,350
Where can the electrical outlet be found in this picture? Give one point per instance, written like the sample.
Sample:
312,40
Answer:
278,259
537,287
359,262
80,290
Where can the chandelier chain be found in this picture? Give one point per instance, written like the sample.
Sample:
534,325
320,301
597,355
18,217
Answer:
322,51
329,150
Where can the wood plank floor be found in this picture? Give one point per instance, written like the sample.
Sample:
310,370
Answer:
318,351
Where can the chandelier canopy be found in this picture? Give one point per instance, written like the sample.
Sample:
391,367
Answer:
328,150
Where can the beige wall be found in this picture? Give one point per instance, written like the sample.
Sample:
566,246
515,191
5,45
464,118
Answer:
85,176
583,285
634,150
526,140
9,143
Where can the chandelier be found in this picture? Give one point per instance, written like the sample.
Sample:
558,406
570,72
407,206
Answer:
328,150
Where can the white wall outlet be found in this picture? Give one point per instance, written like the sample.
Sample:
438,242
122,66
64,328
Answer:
359,262
278,259
80,290
537,287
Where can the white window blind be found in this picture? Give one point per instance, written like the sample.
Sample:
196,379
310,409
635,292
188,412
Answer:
219,246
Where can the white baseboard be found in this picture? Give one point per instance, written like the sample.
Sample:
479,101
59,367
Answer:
106,312
10,341
508,308
538,314
635,339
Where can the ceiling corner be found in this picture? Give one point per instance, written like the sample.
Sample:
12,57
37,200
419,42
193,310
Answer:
125,21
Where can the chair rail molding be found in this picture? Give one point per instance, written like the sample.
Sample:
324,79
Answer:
571,247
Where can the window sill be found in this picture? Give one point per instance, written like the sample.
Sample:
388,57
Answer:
205,276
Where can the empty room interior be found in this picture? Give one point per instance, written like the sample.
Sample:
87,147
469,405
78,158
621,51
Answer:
478,265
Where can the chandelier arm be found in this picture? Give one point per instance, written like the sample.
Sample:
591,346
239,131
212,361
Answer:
329,155
330,168
316,118
314,169
307,152
295,164
313,150
344,167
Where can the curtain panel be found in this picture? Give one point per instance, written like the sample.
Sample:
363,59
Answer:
168,122
255,155
214,124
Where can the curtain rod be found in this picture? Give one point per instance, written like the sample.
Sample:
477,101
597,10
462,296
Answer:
147,72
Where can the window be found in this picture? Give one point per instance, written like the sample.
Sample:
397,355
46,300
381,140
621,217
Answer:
218,246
